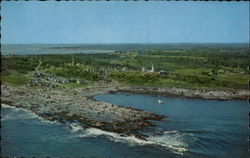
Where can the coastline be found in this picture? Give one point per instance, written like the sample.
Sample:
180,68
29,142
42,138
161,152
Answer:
182,92
174,92
78,105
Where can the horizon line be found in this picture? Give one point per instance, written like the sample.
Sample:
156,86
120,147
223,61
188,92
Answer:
130,43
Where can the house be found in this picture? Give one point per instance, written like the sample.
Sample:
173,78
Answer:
63,80
163,72
124,69
143,69
57,79
101,82
80,81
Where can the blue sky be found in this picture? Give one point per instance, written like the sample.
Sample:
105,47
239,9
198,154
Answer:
125,22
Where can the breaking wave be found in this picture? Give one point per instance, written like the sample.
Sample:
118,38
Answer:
7,106
25,114
170,140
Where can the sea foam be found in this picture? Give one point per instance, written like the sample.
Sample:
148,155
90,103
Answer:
170,140
27,114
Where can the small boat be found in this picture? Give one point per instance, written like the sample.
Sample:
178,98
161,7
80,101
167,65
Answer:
160,101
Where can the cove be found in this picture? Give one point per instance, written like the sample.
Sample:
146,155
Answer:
193,128
210,128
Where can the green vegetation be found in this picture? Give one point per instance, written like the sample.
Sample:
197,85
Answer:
137,78
21,64
74,72
15,79
207,68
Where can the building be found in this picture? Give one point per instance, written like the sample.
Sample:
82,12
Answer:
80,81
163,72
102,82
143,69
57,79
73,62
63,80
124,69
152,68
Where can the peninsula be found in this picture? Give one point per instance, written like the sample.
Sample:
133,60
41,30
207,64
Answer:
61,87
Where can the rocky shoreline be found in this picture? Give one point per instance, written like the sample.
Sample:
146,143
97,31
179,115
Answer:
200,94
175,92
78,106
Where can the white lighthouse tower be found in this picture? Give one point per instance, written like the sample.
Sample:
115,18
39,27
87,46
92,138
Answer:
152,69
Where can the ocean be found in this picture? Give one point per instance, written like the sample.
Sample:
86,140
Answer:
28,49
193,128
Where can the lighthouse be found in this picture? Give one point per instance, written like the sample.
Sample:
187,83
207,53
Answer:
152,69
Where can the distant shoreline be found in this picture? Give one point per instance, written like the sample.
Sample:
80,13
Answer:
182,92
178,43
70,48
177,92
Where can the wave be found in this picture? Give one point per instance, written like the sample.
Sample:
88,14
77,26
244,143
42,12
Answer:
7,106
170,140
75,127
22,114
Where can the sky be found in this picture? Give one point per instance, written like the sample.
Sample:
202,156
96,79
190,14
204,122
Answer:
77,22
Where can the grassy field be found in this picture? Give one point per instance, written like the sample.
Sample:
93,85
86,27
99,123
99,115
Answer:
14,78
206,68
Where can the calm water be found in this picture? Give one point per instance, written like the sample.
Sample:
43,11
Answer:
27,49
24,49
194,128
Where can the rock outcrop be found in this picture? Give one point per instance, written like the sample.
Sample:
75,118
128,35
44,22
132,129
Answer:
63,106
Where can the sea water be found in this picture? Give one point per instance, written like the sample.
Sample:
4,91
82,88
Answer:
193,128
